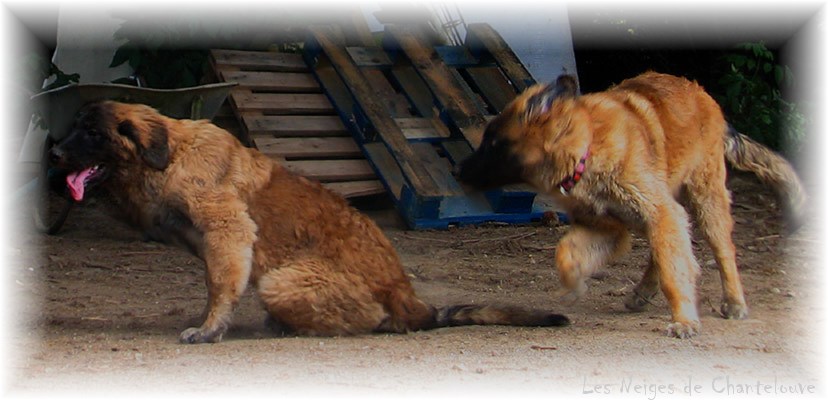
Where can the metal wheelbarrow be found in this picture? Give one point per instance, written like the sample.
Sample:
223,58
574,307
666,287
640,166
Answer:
58,108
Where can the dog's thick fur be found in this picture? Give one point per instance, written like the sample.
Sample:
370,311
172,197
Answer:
648,144
320,267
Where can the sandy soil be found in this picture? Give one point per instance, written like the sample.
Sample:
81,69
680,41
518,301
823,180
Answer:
104,309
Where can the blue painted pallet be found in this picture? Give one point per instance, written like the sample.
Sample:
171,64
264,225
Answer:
414,119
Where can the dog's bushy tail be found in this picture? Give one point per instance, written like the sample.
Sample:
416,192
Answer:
460,315
747,155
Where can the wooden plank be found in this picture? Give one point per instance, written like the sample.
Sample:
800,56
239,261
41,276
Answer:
259,60
449,92
291,148
356,188
282,103
457,150
481,37
336,91
417,128
386,128
415,89
383,161
439,167
493,85
395,103
369,56
273,81
331,170
294,125
456,56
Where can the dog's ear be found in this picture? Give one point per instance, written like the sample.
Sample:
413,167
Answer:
151,141
565,87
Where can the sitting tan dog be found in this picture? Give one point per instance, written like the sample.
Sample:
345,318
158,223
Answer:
320,267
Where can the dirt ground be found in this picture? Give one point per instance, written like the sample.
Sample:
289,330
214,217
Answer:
104,309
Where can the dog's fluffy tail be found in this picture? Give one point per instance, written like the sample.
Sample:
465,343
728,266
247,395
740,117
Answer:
747,155
460,315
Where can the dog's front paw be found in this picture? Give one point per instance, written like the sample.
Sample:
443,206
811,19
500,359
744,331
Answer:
683,330
200,335
734,310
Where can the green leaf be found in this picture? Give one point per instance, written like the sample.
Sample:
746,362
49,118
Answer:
122,55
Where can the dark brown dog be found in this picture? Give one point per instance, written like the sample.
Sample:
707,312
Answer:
320,267
622,159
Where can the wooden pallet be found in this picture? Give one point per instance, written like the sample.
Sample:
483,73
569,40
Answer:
449,92
282,111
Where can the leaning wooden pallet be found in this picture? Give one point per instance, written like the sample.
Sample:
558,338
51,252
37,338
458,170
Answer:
380,92
282,111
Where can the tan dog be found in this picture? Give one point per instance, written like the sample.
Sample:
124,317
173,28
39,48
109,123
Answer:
320,267
624,158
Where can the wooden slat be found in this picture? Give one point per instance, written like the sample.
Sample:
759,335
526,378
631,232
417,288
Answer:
259,60
332,170
356,188
450,93
282,103
422,128
396,104
414,88
369,56
457,150
273,81
496,89
481,37
308,147
385,126
439,167
294,125
456,56
384,161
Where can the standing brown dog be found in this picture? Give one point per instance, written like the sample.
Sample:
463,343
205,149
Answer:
624,158
320,267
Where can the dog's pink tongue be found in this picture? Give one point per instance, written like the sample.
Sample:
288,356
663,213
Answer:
77,183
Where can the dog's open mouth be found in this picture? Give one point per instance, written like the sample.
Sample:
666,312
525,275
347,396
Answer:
78,181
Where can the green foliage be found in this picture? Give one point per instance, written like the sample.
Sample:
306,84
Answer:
162,68
752,97
164,55
41,69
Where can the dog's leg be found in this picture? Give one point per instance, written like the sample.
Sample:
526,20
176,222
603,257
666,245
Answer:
312,298
646,289
228,239
672,254
710,203
584,249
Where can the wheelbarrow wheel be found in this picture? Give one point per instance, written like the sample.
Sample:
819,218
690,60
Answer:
50,208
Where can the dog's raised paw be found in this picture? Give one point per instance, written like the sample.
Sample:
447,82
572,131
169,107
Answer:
683,330
200,335
636,302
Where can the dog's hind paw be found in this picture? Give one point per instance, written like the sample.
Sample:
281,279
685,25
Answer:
734,310
636,302
683,330
570,296
200,335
